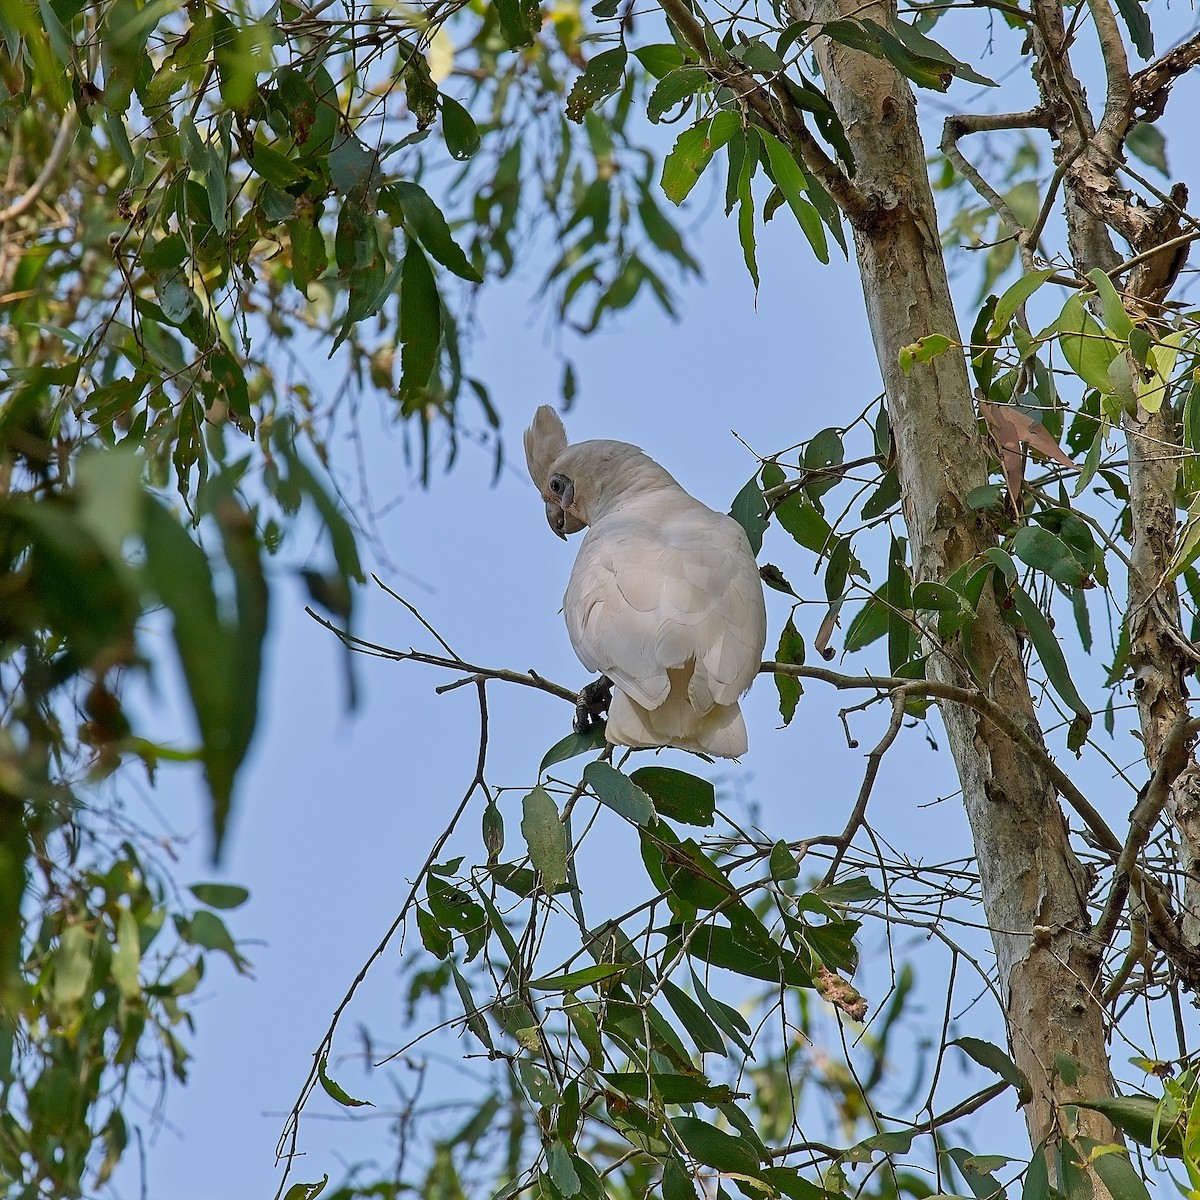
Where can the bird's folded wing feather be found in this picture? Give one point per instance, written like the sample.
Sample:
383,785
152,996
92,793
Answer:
652,590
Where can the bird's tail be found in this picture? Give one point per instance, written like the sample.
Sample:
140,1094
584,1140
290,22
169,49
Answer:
720,732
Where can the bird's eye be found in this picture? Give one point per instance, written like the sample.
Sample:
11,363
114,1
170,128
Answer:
556,485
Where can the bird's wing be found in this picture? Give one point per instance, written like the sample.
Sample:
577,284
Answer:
662,583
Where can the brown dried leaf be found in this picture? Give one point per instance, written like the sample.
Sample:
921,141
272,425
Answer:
1011,429
840,993
825,633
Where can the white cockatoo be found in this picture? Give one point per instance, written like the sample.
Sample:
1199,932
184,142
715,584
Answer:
664,599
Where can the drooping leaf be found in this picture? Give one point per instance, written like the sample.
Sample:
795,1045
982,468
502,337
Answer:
749,510
789,650
334,1090
601,78
459,130
1042,550
424,219
1013,298
1049,651
420,321
1011,429
995,1059
693,151
546,838
789,177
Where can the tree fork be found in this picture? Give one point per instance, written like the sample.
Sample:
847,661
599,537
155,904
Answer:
1033,890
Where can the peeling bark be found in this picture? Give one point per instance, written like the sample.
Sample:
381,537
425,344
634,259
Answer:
1033,890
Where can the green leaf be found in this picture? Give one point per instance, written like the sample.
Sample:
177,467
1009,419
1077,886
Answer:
1084,345
726,948
220,895
674,88
676,1182
573,745
1042,550
434,937
546,838
335,1091
601,78
208,930
715,1148
745,202
869,624
1012,299
619,793
692,875
1049,651
1146,142
1117,1173
420,321
749,510
669,1087
1138,24
677,794
126,955
994,1059
459,130
858,890
693,151
694,1019
424,219
1141,1118
72,966
221,662
782,863
659,58
918,43
789,650
790,179
983,1184
306,1191
561,1169
571,981
1116,318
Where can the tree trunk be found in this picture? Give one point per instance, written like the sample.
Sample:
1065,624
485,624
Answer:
1033,891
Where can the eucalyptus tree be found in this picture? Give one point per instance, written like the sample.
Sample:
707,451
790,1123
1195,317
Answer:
195,198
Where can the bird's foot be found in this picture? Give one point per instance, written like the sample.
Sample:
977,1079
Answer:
592,701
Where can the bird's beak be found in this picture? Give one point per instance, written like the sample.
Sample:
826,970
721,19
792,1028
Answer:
559,515
556,518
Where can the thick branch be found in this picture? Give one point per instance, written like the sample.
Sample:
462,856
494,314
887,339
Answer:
1151,86
786,122
1118,108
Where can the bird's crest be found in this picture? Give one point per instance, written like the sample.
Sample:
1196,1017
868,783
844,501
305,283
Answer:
545,440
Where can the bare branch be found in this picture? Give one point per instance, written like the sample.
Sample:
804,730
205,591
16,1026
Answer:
961,124
899,696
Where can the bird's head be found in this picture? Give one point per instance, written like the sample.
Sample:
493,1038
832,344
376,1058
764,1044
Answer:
545,441
581,483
